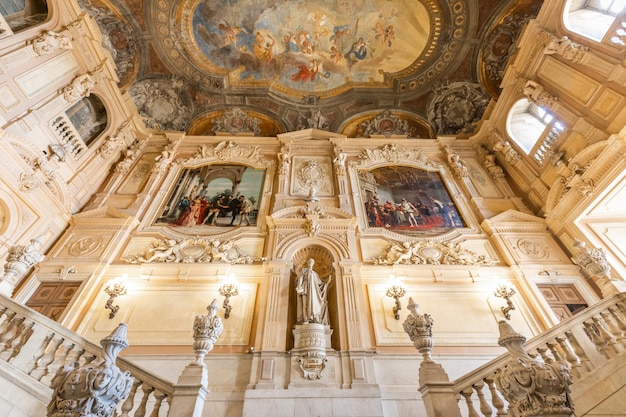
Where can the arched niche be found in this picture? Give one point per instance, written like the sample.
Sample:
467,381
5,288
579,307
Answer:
23,14
325,267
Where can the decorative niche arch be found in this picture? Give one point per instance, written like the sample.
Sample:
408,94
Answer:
325,266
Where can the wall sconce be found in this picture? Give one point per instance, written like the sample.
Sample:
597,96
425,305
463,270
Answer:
395,290
228,289
506,291
115,288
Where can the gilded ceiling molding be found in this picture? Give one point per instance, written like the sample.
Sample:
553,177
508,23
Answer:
429,252
194,250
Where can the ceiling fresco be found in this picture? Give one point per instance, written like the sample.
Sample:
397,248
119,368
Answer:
310,46
372,68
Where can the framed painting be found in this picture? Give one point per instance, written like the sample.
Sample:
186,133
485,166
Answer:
212,198
408,200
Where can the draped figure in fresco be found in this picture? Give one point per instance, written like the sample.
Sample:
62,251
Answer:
312,292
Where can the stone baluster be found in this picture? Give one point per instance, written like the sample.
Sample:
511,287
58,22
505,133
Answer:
2,315
496,399
570,356
20,341
45,361
619,318
38,354
594,335
127,406
485,408
544,356
11,333
159,397
467,394
555,351
532,388
141,410
5,323
608,338
58,363
578,351
612,326
77,355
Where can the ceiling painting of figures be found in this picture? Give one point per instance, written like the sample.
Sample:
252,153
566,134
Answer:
310,46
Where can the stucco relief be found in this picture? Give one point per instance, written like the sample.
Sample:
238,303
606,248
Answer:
386,124
194,250
163,103
391,153
227,151
500,45
85,246
234,122
425,252
454,107
312,174
533,249
50,41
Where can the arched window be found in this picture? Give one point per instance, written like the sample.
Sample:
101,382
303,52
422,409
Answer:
89,117
22,14
594,18
533,129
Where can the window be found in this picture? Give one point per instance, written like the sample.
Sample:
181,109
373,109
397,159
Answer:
593,18
533,129
22,14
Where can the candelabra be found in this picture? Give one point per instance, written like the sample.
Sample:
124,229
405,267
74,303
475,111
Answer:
395,290
114,288
228,289
505,291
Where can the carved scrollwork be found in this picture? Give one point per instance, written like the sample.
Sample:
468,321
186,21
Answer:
236,121
386,124
429,252
194,250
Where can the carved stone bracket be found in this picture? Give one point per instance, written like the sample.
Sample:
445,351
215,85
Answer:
429,252
537,94
20,258
79,87
48,42
194,250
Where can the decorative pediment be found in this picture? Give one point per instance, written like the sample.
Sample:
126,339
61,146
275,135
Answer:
105,216
514,221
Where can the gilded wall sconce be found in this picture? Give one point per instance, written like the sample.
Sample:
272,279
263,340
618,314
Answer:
114,288
228,289
395,290
506,291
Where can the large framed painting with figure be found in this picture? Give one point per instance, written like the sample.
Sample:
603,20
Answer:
408,200
213,197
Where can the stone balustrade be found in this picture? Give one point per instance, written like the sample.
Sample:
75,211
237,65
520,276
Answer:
584,342
35,347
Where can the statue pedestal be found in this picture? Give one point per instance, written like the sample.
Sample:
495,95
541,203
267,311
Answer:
309,363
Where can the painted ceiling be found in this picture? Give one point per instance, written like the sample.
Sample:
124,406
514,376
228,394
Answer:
413,68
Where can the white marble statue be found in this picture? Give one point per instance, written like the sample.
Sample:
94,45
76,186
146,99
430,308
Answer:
312,294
